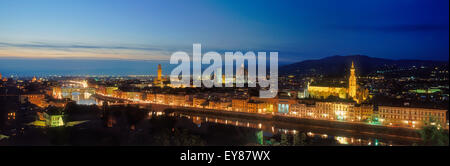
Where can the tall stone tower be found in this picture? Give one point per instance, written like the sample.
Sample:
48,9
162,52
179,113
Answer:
159,73
352,82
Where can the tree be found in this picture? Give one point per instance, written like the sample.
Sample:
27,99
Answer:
299,139
432,136
284,140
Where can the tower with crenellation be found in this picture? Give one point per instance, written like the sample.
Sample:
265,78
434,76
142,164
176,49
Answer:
159,73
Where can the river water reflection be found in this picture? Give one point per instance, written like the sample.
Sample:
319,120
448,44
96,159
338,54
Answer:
269,129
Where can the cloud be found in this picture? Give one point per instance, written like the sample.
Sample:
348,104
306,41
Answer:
82,51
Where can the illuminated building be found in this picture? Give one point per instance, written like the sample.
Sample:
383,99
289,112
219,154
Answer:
261,105
179,100
52,117
220,105
198,102
109,90
132,95
11,116
117,93
256,107
159,72
317,91
352,82
161,99
150,97
4,79
353,91
411,117
333,111
284,105
303,110
159,81
56,92
239,105
54,120
36,99
33,79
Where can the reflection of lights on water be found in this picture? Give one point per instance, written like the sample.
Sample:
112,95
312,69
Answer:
342,140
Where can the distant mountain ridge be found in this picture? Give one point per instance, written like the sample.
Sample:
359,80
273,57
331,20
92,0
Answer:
339,65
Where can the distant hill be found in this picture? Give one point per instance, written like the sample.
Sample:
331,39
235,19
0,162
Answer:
339,65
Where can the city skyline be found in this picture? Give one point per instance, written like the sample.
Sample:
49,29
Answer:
220,81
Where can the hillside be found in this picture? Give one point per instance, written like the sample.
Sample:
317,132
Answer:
339,65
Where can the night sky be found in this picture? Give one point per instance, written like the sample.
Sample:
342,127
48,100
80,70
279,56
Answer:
49,30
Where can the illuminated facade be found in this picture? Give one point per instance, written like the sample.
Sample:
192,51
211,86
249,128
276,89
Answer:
162,99
353,91
36,99
150,97
256,107
268,105
325,92
220,105
239,105
333,111
198,102
411,117
352,82
53,120
159,81
34,79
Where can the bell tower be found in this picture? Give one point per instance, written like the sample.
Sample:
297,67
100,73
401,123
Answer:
159,73
352,82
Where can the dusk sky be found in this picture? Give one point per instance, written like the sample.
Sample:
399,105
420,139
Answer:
153,30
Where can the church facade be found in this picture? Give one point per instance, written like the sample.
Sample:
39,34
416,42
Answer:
352,91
